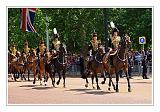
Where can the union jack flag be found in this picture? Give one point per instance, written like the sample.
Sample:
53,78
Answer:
27,19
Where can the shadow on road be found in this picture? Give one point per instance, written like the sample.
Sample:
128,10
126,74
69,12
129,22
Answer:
91,91
137,82
43,88
29,85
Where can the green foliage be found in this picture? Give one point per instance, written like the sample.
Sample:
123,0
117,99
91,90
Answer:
76,26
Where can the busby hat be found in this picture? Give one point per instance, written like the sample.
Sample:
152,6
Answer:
115,29
26,43
42,42
94,34
13,44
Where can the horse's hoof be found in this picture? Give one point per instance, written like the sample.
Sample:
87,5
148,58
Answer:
29,80
93,87
129,90
45,84
64,86
86,85
41,84
109,89
57,83
103,82
114,88
98,88
117,90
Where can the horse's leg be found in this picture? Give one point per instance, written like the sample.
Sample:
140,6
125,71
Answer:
40,77
59,78
129,86
92,77
51,76
64,77
34,73
45,78
23,72
109,82
117,79
86,85
98,88
103,82
104,78
28,74
53,83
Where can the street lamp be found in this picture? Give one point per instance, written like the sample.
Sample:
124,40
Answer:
47,36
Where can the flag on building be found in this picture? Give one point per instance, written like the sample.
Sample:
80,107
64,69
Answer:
27,19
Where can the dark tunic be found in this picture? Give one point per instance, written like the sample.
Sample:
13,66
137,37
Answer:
144,64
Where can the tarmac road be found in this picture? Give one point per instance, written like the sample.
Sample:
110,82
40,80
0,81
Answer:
24,92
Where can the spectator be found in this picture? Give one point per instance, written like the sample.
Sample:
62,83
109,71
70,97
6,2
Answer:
144,64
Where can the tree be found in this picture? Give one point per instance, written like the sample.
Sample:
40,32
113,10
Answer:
76,25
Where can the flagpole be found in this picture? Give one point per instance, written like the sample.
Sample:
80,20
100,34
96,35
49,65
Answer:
47,36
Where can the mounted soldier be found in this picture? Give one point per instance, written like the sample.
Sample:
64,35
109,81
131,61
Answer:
13,49
115,39
56,41
26,49
93,47
41,50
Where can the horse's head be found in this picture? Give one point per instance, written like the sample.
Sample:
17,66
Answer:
34,52
11,56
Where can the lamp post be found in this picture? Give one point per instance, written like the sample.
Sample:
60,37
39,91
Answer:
47,36
105,27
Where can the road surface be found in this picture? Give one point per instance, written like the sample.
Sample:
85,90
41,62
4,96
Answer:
24,92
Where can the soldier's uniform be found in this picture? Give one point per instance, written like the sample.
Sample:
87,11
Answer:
40,51
26,49
94,44
93,47
13,50
56,43
115,39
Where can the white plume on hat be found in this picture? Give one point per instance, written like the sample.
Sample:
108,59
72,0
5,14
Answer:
55,31
112,24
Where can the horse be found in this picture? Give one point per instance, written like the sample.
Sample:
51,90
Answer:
60,65
96,66
40,67
36,66
49,66
11,60
120,62
19,66
31,62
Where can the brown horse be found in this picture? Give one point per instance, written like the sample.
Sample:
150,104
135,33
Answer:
96,66
19,66
40,66
120,62
11,60
31,62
